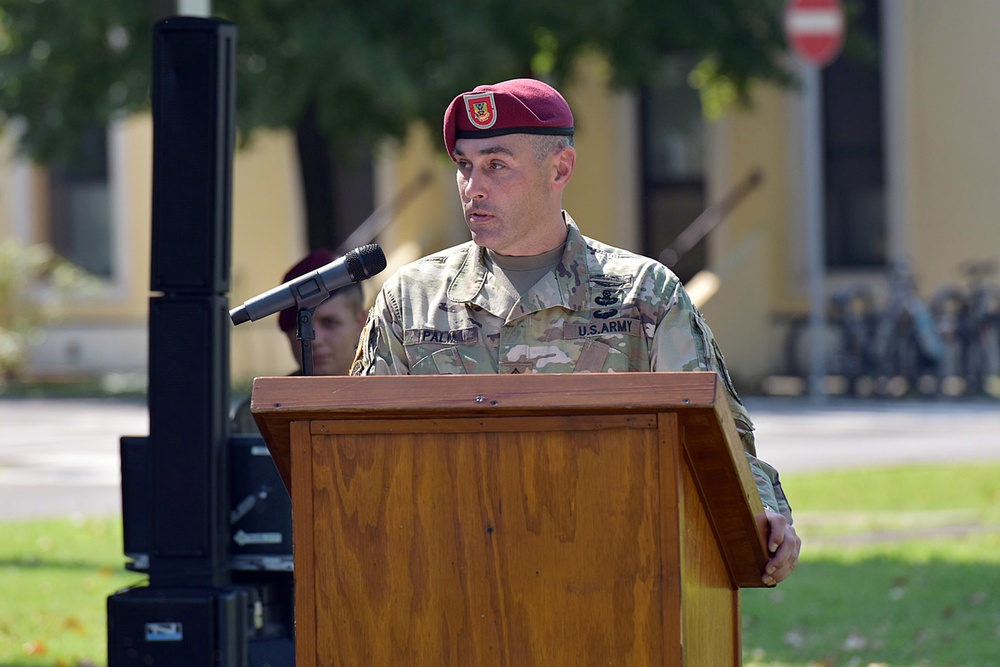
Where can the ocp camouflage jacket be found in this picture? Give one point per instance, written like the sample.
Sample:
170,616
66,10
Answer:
602,309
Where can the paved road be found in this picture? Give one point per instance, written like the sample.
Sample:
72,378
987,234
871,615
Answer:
797,434
60,457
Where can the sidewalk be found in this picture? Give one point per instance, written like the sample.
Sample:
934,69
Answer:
60,457
796,434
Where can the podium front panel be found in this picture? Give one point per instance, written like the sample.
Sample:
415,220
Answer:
515,520
515,541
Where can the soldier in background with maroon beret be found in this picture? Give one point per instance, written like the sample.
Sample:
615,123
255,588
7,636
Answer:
337,323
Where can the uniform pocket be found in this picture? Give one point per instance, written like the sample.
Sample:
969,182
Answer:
441,361
597,356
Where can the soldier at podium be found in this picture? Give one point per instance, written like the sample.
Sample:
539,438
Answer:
531,294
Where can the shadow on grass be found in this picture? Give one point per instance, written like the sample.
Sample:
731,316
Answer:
47,563
876,610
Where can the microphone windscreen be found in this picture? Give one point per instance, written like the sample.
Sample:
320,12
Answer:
371,261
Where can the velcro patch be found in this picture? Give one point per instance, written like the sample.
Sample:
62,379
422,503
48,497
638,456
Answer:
621,325
611,281
468,336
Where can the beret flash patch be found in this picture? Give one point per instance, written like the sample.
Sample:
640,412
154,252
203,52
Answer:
481,109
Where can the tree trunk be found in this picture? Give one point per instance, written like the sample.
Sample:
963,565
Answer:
338,184
316,172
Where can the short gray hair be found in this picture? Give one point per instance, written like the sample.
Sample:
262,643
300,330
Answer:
546,145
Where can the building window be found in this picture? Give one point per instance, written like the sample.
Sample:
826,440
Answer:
80,207
673,162
854,166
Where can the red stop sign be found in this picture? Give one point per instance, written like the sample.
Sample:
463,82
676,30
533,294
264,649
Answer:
815,29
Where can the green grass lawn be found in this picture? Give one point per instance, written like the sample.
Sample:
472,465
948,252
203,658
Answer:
900,568
55,577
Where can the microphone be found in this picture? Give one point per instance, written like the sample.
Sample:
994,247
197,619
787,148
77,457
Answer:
315,287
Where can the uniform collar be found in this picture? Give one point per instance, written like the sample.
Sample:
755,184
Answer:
567,286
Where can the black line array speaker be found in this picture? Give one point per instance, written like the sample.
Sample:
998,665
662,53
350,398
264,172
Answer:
176,501
193,137
188,430
259,529
147,626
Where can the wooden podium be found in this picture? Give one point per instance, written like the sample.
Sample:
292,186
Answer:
549,519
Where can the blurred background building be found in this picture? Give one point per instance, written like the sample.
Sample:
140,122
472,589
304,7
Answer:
911,155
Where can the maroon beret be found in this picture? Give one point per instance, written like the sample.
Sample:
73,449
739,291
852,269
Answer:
518,106
315,260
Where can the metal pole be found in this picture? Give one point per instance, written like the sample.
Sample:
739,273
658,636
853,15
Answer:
812,141
194,8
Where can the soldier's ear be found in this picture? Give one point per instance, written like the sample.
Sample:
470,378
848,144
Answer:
565,161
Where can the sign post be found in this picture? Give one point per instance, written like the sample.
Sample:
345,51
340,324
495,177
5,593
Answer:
815,31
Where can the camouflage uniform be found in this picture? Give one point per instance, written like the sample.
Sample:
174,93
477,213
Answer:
601,310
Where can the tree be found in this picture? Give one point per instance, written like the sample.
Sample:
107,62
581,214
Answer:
22,313
67,67
345,74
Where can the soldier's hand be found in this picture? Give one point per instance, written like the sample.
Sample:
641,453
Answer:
783,545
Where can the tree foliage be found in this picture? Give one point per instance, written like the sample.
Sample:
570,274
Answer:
361,70
372,67
66,67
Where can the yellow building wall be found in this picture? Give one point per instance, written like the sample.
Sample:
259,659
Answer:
132,192
124,297
428,221
268,237
946,106
8,178
748,252
597,198
952,108
947,171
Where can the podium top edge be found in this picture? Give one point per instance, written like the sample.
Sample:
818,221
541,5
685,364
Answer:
542,391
